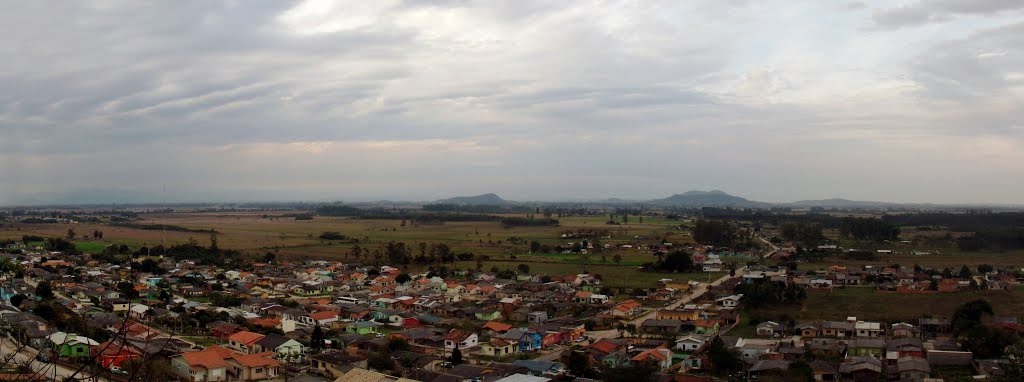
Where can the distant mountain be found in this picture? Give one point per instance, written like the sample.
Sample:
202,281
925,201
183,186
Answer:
479,200
713,198
839,203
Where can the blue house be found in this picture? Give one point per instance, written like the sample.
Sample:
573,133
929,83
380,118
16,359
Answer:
527,340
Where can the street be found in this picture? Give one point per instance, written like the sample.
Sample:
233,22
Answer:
27,354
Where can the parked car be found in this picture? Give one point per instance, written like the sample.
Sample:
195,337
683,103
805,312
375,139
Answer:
118,370
42,358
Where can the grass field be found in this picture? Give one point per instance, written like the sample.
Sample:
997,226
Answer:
256,233
866,304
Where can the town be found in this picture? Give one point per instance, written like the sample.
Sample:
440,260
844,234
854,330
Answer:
205,314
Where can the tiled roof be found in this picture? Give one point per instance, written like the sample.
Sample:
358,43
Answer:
245,337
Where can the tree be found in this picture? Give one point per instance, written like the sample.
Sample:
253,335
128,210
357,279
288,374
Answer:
17,299
127,290
535,246
985,268
523,268
213,241
398,344
317,340
381,362
617,258
71,234
44,290
456,357
722,358
269,257
403,278
968,315
675,261
1014,368
965,273
578,364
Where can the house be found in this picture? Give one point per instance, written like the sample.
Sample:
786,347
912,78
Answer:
335,364
202,366
626,308
361,327
873,347
729,301
838,329
71,345
462,339
527,340
868,329
325,318
659,359
656,326
285,348
588,297
770,329
538,317
860,369
678,314
913,369
708,327
244,341
217,363
904,330
752,349
116,353
766,366
691,343
540,367
498,347
824,370
807,330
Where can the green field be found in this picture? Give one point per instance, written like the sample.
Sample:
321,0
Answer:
256,233
866,304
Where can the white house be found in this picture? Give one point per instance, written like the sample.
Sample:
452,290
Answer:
729,301
690,343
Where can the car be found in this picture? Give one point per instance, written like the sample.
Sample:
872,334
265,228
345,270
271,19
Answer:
42,358
379,335
118,370
446,364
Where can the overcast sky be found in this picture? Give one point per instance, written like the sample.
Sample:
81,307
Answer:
533,100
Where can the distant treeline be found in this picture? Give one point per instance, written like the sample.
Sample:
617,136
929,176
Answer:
478,209
963,222
432,217
162,227
528,222
995,240
868,229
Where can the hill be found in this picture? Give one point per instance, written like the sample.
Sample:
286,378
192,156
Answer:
713,198
479,200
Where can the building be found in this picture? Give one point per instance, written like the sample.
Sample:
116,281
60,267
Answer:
461,339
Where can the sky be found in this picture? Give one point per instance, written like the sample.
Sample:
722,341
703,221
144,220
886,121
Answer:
914,101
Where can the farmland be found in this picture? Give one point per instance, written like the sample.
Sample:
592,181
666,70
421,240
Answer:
504,247
867,304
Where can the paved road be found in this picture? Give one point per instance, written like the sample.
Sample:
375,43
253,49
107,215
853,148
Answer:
9,351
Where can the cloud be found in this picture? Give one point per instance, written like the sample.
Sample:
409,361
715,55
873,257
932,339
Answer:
924,12
531,99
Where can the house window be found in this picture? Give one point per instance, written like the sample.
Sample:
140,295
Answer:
259,369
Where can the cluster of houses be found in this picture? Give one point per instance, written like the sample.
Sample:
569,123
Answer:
854,350
276,309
